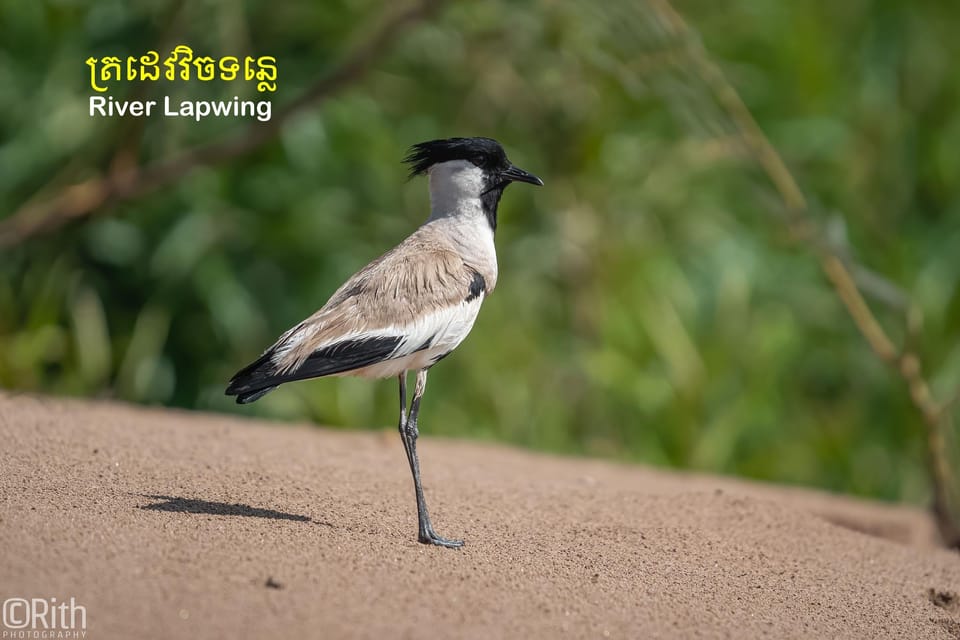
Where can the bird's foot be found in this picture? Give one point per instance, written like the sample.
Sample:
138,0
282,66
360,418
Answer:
429,536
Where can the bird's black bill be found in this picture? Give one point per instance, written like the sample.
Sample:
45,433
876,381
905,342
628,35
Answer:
516,174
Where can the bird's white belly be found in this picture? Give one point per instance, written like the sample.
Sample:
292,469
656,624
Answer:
445,330
395,366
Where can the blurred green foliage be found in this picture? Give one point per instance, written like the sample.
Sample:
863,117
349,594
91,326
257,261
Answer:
651,305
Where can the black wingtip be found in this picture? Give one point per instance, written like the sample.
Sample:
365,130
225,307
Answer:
248,384
261,376
247,398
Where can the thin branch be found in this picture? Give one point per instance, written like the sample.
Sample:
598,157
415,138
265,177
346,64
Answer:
904,361
872,284
951,402
125,183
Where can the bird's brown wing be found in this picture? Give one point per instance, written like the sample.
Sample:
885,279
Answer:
367,320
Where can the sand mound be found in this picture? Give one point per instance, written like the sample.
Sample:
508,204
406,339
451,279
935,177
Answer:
168,524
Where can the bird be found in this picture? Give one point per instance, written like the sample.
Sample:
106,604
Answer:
411,307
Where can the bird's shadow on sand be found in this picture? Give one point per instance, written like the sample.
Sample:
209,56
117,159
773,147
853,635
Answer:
192,505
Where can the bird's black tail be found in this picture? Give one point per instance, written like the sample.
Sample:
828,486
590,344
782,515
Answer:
262,376
253,381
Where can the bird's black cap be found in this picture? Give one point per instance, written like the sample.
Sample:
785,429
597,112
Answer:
485,153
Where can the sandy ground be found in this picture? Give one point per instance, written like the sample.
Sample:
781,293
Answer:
168,524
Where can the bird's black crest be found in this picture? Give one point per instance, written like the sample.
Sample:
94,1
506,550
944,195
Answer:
486,153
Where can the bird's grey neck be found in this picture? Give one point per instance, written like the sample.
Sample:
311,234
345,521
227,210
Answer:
468,224
459,189
484,207
446,202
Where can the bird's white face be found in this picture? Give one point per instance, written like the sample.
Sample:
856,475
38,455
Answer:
454,183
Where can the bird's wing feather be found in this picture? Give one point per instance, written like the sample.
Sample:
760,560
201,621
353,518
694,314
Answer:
393,295
399,304
262,376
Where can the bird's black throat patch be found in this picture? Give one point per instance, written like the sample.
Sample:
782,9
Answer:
490,198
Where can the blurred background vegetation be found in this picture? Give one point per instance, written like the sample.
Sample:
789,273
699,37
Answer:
652,305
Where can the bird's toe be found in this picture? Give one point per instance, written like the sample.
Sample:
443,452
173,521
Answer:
431,537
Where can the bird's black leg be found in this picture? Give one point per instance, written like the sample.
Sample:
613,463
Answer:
409,433
403,404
